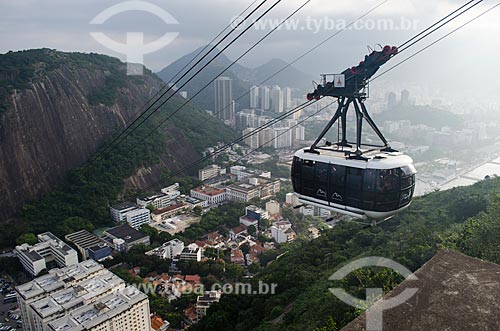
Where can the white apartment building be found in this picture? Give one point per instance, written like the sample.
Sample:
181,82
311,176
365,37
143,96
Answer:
119,212
282,138
210,171
264,96
242,172
125,310
254,97
158,201
251,140
62,293
191,253
168,250
282,232
172,191
207,193
138,217
277,99
204,302
49,248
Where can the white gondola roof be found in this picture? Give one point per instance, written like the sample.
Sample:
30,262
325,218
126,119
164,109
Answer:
375,159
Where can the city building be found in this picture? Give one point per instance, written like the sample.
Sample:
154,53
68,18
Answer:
119,211
138,217
251,140
266,137
130,213
158,201
125,310
291,199
49,248
277,99
273,207
124,237
242,192
99,252
85,296
158,324
299,133
265,97
405,98
218,181
243,173
282,232
254,187
168,250
172,210
224,102
210,171
172,191
391,100
204,302
193,202
287,98
283,138
191,253
254,97
83,240
210,194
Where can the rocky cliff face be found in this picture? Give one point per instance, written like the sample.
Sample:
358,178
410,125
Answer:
60,115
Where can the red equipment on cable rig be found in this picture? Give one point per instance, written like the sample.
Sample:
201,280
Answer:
353,178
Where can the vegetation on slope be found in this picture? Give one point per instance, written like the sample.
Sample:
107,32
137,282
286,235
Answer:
462,218
83,199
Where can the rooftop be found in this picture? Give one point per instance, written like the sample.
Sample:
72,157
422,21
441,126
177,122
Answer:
58,279
124,205
456,292
83,239
208,190
90,316
126,232
169,208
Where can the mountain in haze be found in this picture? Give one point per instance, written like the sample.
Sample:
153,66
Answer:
57,108
290,77
243,78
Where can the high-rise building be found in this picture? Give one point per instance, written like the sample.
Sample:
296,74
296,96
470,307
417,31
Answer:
85,296
287,98
282,137
254,97
299,133
224,102
391,100
277,99
264,96
405,98
252,140
266,137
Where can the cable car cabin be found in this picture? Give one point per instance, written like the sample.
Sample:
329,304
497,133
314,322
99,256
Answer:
377,188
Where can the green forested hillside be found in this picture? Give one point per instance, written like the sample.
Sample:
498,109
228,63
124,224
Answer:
458,219
83,199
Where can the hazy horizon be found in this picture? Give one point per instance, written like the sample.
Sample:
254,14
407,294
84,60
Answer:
65,26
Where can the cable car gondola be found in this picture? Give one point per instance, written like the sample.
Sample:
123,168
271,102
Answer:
359,180
377,187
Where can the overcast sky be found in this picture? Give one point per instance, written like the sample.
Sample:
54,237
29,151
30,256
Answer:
467,60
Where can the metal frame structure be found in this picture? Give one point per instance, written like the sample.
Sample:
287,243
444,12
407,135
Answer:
357,100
